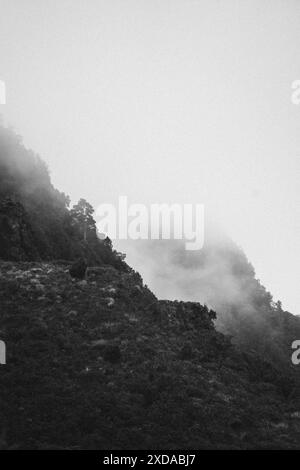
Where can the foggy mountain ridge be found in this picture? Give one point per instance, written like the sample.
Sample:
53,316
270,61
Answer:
140,372
221,277
149,229
36,223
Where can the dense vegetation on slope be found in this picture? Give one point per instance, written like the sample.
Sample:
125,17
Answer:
35,220
102,364
221,276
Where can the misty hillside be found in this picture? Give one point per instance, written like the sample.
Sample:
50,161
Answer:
101,363
220,276
35,220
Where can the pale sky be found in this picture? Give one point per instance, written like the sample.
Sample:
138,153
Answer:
167,101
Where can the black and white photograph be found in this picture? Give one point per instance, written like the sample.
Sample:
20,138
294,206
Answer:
149,229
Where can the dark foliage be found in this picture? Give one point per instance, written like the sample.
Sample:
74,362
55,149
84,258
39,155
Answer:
83,373
78,269
35,220
101,363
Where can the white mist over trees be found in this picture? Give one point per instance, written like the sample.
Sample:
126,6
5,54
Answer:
221,277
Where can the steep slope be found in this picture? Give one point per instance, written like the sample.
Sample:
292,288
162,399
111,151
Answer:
35,220
102,364
220,276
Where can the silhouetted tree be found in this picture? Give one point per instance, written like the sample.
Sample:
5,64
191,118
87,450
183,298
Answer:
82,214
